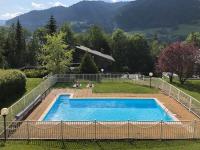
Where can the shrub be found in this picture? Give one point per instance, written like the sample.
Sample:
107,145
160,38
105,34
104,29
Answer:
88,65
35,73
12,82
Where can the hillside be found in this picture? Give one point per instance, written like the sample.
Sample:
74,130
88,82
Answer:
171,19
81,15
158,13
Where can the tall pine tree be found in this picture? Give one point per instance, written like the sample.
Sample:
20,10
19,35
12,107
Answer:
20,46
51,26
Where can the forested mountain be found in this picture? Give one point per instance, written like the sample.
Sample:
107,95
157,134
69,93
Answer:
81,15
165,17
158,13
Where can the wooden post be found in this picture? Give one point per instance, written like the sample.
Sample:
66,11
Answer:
161,130
194,129
128,130
28,134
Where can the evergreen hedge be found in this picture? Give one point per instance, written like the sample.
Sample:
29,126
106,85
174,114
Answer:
12,82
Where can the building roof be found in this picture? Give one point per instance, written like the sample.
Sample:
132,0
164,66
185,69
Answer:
86,49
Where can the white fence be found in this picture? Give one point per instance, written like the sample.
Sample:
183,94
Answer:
97,130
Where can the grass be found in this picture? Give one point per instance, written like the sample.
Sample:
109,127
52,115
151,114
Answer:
122,87
103,145
70,85
30,84
191,87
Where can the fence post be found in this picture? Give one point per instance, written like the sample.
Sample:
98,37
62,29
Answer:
28,134
161,130
128,130
95,129
194,129
61,130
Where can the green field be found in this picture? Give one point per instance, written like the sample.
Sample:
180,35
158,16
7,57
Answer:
104,145
122,87
191,87
30,84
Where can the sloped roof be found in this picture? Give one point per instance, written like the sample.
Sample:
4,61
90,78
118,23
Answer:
86,49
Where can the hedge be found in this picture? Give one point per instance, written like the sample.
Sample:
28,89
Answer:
12,82
35,73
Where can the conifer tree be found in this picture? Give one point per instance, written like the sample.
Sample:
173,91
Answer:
51,26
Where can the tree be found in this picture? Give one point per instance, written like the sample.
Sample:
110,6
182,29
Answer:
69,35
51,26
88,65
3,33
55,55
20,46
119,47
194,38
98,40
179,58
10,47
33,49
138,54
41,34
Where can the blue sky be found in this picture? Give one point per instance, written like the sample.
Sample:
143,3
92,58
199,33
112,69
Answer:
12,8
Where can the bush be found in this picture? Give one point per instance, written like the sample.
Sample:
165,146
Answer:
88,65
35,73
12,82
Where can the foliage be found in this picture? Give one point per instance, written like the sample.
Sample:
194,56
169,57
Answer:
178,58
69,35
31,83
120,51
98,41
55,56
138,56
11,83
51,26
35,73
88,65
194,38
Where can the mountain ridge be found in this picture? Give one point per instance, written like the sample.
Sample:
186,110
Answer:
130,16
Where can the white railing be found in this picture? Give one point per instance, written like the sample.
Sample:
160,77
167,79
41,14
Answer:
98,130
192,104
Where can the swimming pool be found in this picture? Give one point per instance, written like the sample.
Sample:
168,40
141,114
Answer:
106,109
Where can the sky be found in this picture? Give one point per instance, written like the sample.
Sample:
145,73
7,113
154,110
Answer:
12,8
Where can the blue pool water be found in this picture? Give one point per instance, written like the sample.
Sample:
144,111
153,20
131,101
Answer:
109,109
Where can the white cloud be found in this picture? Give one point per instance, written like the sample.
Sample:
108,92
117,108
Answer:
55,4
37,5
10,15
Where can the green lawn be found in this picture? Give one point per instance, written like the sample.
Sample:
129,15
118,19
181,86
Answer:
191,87
104,145
69,85
122,87
30,84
